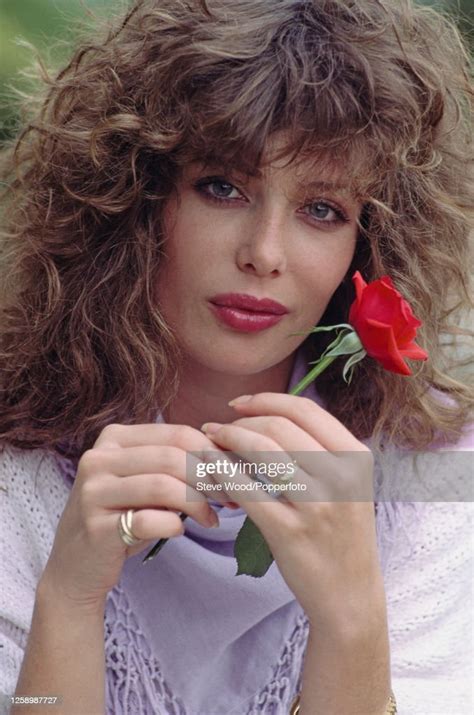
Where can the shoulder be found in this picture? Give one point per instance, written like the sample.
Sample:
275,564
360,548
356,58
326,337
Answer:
442,472
428,584
37,473
33,494
424,500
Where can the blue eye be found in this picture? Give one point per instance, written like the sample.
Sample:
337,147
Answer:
321,210
221,189
324,212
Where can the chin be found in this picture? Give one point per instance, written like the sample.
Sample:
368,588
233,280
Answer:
241,361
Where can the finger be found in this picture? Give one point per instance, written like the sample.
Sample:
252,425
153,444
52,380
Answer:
153,524
281,430
127,461
182,436
153,491
313,419
245,488
297,443
307,477
130,461
153,434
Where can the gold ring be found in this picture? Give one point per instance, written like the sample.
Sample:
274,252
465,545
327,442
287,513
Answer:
125,528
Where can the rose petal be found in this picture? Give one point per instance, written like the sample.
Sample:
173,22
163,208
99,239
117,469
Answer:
383,348
385,323
414,352
359,284
388,282
380,303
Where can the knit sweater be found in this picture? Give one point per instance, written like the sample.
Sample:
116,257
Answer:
427,566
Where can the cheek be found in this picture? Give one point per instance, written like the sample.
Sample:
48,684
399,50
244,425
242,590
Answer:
189,252
326,260
320,274
193,240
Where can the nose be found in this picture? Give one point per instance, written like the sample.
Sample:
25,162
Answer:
262,248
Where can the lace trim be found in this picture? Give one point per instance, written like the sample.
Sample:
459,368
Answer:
285,683
134,682
136,686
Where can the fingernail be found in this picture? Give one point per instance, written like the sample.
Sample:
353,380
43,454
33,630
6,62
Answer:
240,400
210,427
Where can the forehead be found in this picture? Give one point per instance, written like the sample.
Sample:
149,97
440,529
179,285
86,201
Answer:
314,167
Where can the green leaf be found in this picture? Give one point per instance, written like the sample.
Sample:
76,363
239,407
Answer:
324,329
337,341
348,344
332,348
350,364
254,558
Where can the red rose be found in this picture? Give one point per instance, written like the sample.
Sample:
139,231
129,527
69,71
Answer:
385,324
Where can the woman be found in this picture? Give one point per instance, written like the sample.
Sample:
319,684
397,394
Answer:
198,153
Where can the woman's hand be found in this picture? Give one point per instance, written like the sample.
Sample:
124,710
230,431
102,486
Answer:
140,467
325,541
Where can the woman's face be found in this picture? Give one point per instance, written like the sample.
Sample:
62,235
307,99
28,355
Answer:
287,236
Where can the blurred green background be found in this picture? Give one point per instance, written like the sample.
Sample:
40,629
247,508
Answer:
50,25
43,22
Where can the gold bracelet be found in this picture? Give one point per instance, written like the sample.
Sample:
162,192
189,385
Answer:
295,708
391,708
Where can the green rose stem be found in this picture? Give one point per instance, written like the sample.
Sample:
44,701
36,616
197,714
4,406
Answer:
251,551
311,375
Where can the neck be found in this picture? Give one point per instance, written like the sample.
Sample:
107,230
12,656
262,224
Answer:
203,394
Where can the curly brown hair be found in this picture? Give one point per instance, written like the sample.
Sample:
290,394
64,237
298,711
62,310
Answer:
382,86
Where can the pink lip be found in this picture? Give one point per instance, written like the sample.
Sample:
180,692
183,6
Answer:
249,302
247,313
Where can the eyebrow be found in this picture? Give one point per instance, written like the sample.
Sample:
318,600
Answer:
321,185
316,184
302,186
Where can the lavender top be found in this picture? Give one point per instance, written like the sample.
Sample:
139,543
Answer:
185,636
